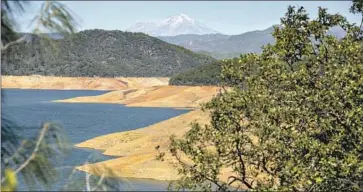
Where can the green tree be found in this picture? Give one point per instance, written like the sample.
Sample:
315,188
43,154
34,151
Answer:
30,156
293,119
53,17
33,157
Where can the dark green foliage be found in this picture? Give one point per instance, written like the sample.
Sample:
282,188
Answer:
9,139
32,157
218,55
202,75
293,120
100,53
8,26
208,74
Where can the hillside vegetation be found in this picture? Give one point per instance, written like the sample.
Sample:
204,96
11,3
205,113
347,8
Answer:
99,53
203,75
250,42
218,55
208,74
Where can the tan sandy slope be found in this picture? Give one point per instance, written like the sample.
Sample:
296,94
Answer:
79,83
158,96
136,149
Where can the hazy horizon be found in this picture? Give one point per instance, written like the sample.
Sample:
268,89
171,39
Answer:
226,17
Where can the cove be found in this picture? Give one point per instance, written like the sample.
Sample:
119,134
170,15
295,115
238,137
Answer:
81,121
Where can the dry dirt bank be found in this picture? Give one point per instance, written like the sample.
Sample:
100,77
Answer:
136,154
79,83
136,149
158,96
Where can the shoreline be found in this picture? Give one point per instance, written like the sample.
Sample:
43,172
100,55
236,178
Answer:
80,83
177,97
133,152
53,89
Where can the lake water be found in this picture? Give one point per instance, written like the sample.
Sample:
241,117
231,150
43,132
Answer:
81,121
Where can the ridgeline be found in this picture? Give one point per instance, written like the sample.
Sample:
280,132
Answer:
99,53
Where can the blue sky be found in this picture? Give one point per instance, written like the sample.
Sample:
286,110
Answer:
228,17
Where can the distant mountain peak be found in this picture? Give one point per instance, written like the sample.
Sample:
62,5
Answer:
181,17
174,25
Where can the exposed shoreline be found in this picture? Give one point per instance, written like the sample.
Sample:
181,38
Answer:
80,83
134,150
177,97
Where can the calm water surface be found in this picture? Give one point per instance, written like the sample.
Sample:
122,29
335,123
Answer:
81,121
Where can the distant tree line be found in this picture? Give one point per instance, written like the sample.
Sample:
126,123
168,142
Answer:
208,74
203,75
99,53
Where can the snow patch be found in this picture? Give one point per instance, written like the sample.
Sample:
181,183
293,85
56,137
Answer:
171,26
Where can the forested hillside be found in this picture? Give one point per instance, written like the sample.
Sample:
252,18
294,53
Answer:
218,55
203,75
100,53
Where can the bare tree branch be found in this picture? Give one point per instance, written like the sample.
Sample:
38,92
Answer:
88,187
16,153
69,178
198,172
12,43
98,183
242,167
35,151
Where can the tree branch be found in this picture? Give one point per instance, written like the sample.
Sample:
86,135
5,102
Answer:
12,43
16,153
265,168
198,172
69,178
242,167
31,157
98,183
88,187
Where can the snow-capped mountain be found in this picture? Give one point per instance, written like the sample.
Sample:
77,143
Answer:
175,25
